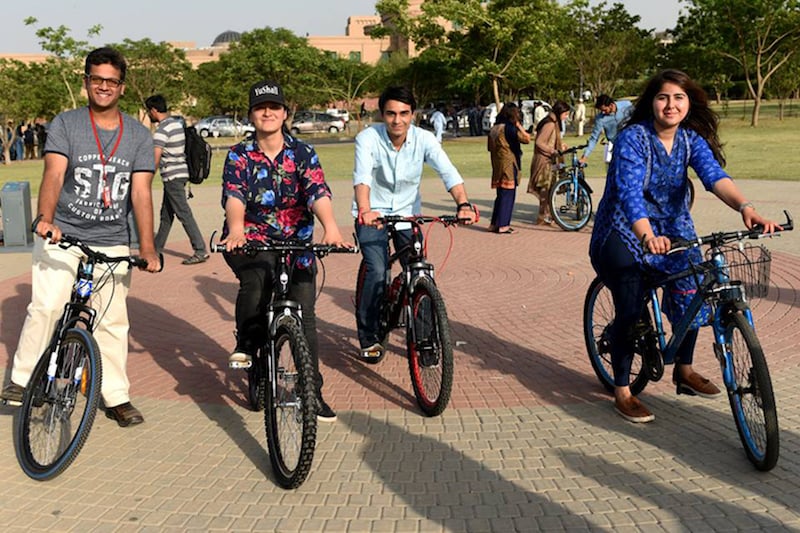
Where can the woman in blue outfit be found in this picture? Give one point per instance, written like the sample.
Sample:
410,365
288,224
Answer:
644,205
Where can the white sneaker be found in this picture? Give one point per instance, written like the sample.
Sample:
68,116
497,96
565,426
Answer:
239,360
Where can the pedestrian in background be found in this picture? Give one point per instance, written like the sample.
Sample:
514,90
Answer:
503,144
170,152
579,117
545,154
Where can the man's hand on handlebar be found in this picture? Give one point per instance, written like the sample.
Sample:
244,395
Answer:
48,231
153,261
467,214
370,218
334,238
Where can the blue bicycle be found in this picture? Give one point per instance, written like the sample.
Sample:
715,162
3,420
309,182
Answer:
730,275
570,195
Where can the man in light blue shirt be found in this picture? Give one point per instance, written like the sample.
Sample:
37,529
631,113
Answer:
612,115
386,181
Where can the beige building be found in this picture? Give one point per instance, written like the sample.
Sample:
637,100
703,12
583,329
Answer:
355,44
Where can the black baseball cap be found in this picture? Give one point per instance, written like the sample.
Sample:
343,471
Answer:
266,91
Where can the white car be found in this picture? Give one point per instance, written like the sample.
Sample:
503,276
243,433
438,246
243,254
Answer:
341,114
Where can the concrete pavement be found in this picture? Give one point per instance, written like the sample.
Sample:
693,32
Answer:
529,442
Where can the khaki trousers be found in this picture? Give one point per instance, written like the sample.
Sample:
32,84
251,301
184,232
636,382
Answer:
53,275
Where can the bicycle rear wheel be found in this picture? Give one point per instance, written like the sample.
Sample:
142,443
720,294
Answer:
291,414
57,414
598,318
752,400
430,350
570,204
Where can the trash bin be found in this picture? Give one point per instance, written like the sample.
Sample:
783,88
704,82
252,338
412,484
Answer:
15,204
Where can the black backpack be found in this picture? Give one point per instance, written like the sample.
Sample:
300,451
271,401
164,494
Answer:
198,156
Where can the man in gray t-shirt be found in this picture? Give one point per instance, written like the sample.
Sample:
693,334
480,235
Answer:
98,166
170,154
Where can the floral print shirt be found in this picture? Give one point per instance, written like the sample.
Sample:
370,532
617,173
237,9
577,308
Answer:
277,194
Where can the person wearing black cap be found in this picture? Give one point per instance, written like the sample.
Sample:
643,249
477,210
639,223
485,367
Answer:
272,188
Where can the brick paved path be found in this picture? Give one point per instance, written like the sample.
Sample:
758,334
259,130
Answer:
530,441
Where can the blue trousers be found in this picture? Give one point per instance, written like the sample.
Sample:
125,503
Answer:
620,272
503,207
374,243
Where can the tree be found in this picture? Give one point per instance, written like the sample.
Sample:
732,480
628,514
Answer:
152,69
505,44
67,54
606,49
759,36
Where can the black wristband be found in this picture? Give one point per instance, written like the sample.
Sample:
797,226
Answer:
464,204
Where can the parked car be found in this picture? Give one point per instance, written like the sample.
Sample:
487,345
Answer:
463,120
339,113
315,121
221,126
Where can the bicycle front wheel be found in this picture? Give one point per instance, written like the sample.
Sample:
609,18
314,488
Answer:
570,204
256,380
291,414
430,350
57,412
598,319
752,400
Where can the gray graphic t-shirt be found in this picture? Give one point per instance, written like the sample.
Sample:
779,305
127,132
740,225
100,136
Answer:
81,211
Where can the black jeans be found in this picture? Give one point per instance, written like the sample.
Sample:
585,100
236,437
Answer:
624,277
175,205
256,283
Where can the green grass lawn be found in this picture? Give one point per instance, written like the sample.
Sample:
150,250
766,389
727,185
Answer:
766,152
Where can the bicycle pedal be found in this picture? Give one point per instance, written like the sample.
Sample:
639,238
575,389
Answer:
237,365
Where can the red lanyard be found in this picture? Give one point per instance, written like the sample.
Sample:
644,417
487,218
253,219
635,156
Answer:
103,159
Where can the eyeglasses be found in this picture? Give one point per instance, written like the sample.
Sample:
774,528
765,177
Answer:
97,81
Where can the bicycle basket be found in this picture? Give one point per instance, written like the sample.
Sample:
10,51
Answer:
749,264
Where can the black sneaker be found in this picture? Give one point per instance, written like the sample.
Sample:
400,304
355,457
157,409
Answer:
324,412
196,259
12,394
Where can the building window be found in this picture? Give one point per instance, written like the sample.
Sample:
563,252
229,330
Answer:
355,56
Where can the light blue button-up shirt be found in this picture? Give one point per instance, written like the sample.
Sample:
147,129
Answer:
611,124
394,176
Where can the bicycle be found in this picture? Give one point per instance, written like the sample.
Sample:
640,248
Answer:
412,300
726,279
282,378
570,196
67,378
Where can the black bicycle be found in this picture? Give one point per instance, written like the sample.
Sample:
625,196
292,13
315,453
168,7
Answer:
282,377
729,277
412,300
61,398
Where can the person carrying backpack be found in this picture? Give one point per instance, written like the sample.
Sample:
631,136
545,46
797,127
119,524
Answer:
170,152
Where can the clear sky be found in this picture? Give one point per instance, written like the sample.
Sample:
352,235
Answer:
200,21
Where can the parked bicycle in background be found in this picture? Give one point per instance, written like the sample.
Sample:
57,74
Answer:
570,195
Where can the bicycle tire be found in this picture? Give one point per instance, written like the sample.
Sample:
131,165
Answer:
46,442
568,215
256,381
752,400
598,316
290,418
430,350
383,334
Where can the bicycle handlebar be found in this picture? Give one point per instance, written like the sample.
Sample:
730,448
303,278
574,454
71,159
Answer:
319,249
68,241
571,150
447,220
719,238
